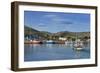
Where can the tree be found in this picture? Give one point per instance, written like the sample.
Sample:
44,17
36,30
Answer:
73,39
69,38
85,38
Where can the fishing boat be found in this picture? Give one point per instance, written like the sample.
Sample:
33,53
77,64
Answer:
33,42
36,42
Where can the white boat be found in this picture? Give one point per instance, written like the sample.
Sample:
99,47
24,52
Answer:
78,44
49,42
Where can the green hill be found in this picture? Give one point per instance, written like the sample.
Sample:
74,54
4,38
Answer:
48,35
31,31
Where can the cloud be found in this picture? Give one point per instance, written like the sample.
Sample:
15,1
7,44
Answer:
41,24
62,21
67,22
58,20
50,15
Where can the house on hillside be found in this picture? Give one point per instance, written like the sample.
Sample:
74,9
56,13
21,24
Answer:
62,38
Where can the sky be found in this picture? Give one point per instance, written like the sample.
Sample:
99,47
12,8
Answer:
57,21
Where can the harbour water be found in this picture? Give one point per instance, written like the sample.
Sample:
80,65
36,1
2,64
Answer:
45,52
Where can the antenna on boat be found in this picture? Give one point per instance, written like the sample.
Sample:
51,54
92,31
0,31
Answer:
77,45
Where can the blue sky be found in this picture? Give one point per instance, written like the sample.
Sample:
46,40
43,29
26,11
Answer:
57,21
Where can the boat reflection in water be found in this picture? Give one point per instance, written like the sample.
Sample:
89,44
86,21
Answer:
44,52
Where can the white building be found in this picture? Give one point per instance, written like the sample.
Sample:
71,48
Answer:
62,38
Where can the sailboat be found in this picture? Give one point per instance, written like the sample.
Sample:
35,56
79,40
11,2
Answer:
78,45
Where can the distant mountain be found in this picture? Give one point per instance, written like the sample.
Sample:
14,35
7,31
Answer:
64,33
31,31
46,35
45,32
68,33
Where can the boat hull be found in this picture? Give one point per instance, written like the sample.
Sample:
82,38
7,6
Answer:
78,48
49,42
32,42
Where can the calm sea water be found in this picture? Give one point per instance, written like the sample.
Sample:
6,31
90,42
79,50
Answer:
43,52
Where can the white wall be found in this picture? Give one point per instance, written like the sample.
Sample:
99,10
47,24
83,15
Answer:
5,28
